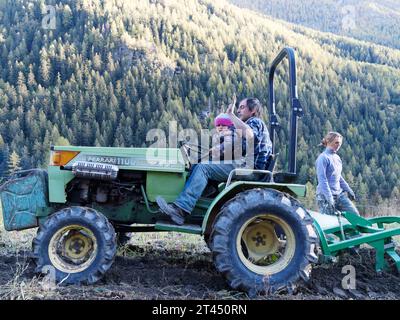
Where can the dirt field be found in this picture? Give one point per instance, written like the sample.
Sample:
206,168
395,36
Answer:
178,266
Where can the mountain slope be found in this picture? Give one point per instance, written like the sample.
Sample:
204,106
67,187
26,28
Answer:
112,70
369,20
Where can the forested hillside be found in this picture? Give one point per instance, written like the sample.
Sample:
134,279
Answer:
369,20
111,70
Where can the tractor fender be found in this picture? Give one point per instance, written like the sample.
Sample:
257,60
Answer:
236,187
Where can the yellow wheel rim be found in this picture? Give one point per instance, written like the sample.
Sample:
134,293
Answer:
259,247
72,249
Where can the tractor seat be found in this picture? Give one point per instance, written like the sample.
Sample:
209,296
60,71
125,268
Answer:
244,174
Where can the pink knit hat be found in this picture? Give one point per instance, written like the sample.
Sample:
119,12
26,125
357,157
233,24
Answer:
223,119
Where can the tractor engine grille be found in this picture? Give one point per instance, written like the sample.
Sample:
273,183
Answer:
95,170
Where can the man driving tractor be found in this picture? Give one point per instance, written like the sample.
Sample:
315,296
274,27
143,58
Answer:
252,131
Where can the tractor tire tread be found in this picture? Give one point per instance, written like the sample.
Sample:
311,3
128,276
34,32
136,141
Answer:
225,221
91,217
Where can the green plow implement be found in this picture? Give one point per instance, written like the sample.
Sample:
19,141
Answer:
348,230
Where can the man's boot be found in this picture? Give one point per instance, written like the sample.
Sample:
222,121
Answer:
176,214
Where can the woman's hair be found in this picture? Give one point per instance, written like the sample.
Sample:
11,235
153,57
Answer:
329,138
254,104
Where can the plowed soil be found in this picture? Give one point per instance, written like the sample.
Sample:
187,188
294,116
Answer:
154,270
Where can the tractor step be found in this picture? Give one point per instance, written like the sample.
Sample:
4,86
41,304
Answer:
187,228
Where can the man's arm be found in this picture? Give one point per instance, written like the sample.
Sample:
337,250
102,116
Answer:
241,128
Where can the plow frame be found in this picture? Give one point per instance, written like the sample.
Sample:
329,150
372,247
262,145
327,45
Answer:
359,230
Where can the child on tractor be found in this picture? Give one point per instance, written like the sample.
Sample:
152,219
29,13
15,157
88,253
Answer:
223,140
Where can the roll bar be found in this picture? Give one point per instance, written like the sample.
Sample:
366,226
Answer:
296,109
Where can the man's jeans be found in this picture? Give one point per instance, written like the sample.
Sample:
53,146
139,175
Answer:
197,182
342,203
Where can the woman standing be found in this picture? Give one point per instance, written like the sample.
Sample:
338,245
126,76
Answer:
333,192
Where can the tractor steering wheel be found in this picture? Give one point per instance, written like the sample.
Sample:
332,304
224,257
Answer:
187,149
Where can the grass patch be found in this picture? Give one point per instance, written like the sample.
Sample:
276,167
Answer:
179,244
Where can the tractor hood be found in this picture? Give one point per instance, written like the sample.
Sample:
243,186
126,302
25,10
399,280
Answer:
143,159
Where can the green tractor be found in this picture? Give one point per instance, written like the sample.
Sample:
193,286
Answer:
262,238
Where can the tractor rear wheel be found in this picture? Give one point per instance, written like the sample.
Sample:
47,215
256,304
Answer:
262,241
78,242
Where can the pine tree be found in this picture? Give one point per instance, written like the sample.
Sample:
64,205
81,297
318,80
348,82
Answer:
22,89
66,17
13,164
3,156
395,199
97,64
110,63
44,67
31,78
61,141
26,159
309,200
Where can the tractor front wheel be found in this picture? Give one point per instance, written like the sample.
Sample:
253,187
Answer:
78,242
263,241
